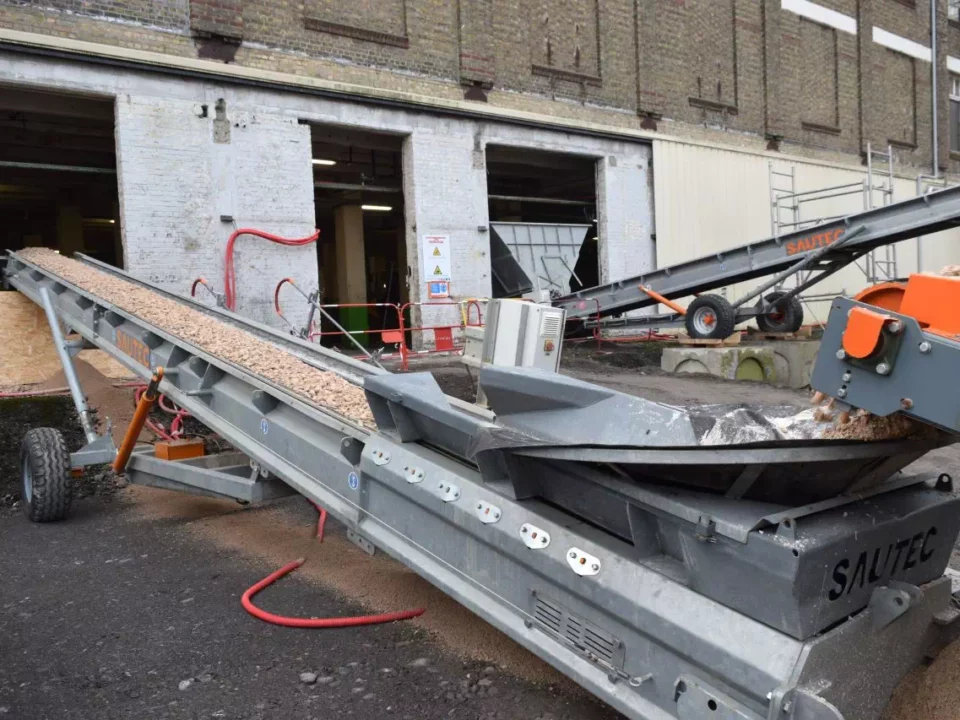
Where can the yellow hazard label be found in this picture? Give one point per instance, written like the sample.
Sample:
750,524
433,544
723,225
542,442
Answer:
437,270
436,252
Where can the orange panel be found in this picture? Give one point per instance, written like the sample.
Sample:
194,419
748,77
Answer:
934,301
887,295
179,449
862,334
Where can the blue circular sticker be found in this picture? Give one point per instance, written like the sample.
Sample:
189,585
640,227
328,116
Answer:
264,426
353,481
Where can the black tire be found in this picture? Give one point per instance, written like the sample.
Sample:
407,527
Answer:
786,316
710,317
46,487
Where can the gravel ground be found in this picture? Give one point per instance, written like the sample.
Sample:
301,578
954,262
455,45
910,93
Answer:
122,613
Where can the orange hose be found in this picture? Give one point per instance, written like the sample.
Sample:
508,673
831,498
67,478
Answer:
247,602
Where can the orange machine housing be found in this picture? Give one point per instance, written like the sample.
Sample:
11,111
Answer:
179,449
930,299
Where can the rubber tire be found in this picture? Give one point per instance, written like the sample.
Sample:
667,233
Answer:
791,311
45,452
726,317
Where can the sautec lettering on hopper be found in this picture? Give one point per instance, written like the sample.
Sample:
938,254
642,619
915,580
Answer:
814,241
883,562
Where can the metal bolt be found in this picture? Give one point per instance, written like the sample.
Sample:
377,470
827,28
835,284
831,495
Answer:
479,506
847,376
440,485
543,539
883,369
594,567
496,515
573,556
841,354
925,347
895,328
842,392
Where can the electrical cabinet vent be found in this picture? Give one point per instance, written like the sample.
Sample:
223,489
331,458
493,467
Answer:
550,325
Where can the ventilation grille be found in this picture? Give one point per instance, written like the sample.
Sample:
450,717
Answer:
550,324
586,637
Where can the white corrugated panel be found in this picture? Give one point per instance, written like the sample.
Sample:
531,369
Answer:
708,200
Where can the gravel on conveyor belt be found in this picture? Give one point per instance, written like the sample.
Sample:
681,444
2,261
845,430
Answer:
324,389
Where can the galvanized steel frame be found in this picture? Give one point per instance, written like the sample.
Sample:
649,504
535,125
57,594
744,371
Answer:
671,652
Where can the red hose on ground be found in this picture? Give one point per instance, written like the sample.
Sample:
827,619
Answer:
246,601
229,276
321,521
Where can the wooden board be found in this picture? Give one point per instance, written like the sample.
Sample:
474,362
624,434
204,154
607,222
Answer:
707,342
27,355
804,333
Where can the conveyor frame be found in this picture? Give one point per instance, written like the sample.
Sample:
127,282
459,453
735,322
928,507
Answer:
823,249
630,631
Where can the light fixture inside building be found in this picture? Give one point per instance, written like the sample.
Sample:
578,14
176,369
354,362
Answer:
376,208
324,161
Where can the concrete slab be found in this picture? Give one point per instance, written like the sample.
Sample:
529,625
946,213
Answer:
787,363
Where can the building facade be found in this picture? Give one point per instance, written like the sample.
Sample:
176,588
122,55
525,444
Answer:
657,127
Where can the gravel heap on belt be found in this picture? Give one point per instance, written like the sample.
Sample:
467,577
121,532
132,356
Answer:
325,389
873,427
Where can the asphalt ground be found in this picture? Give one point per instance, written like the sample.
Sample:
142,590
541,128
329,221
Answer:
131,609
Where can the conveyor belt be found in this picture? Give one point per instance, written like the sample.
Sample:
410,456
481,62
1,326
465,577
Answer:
664,601
310,353
922,215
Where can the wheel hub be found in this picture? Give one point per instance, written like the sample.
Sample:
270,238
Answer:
704,320
27,477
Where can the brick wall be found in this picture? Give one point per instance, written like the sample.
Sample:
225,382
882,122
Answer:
695,66
180,168
174,14
218,18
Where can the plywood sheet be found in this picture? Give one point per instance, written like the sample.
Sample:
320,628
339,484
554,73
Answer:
27,355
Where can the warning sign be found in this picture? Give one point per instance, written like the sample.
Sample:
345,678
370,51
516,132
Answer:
435,251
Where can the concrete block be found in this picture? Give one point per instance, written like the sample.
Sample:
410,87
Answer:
788,363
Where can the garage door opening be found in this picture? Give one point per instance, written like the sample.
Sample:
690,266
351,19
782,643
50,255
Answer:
362,252
543,218
58,177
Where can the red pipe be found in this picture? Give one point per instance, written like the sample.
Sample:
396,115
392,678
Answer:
246,601
176,425
229,275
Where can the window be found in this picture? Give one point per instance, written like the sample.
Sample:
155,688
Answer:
953,10
955,113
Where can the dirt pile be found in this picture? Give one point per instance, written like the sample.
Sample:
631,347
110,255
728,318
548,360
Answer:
325,389
930,693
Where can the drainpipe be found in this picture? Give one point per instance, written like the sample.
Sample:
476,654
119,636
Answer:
933,85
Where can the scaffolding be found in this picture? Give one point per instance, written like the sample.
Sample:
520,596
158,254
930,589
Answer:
881,264
791,210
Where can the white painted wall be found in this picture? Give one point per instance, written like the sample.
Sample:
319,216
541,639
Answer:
709,200
175,182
